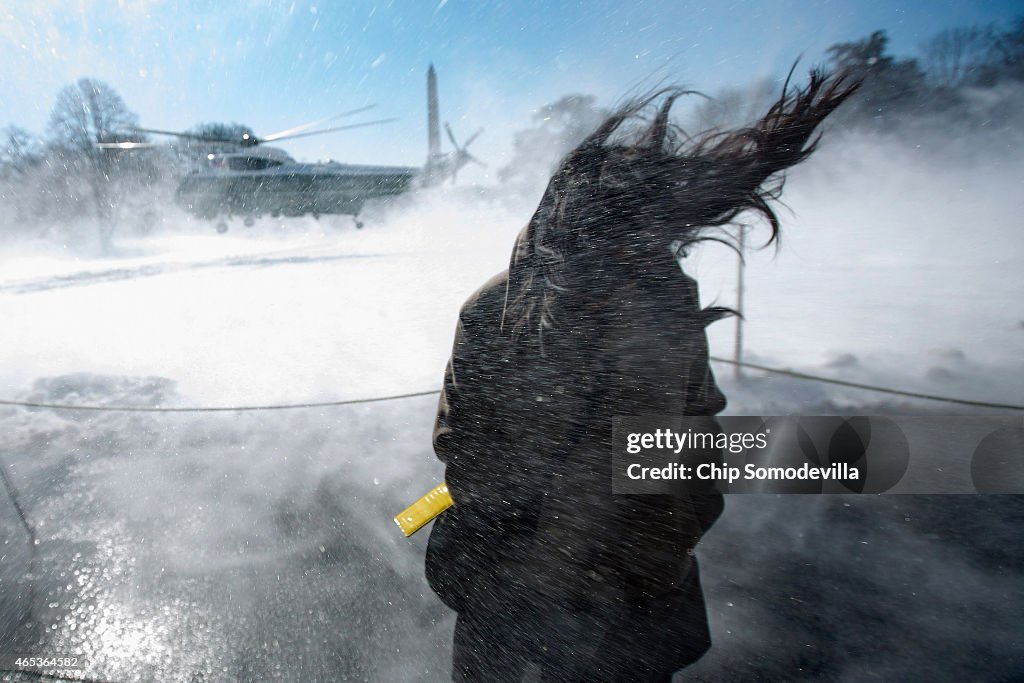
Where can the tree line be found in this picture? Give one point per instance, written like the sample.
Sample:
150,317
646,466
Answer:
54,180
64,175
966,79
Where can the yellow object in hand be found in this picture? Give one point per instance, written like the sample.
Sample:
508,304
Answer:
413,518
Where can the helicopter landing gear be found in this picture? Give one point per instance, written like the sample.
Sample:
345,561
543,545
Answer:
222,227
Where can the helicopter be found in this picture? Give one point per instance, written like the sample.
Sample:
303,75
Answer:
253,179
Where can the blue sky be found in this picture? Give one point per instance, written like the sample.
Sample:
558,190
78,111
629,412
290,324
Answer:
274,64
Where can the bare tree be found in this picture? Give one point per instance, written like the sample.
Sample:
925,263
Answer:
19,150
952,56
222,131
558,127
20,153
890,87
217,137
86,113
732,107
1007,54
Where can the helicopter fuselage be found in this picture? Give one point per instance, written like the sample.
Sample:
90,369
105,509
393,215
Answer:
254,185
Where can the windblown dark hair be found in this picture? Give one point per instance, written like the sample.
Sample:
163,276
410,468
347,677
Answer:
607,190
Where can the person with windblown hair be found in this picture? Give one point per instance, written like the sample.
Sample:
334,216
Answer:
551,575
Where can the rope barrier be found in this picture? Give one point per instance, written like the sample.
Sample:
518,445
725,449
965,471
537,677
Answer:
870,387
213,409
395,397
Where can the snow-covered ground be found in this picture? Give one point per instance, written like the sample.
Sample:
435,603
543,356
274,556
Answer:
893,269
260,545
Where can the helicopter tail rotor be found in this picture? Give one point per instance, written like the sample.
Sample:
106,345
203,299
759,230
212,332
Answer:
459,157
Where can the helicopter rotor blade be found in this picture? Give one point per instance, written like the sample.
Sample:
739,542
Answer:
250,141
332,130
448,129
127,145
291,131
472,137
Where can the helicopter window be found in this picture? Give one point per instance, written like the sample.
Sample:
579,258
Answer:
251,163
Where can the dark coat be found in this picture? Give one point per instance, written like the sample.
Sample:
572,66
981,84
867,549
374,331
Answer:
525,432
